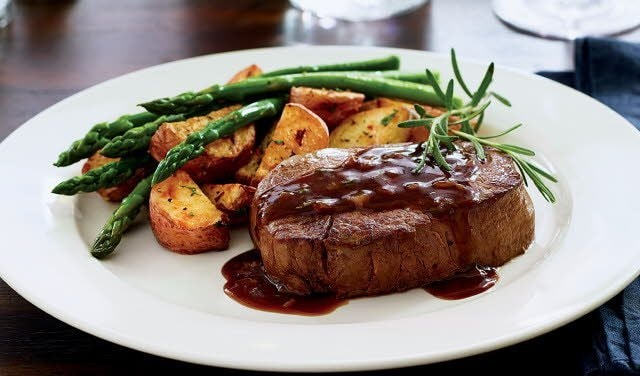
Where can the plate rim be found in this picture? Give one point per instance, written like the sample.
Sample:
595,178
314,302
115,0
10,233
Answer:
413,359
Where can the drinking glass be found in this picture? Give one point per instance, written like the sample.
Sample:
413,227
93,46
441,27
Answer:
357,10
5,13
569,19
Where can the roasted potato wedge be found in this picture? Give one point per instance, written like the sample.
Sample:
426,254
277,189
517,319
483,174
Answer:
298,131
393,102
221,157
246,173
232,199
250,71
419,134
120,191
370,105
383,102
332,106
372,127
183,219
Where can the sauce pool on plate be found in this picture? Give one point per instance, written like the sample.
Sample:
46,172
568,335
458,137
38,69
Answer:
249,284
474,281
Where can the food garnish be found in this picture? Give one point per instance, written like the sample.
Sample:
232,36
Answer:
441,135
391,98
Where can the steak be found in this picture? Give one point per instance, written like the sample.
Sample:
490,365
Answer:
357,222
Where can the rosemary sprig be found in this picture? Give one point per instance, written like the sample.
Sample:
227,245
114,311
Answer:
526,168
441,135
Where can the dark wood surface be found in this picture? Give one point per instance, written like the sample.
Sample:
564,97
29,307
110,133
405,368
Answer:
53,49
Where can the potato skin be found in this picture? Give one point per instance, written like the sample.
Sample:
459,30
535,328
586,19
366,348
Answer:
183,219
120,191
221,157
299,131
232,199
332,106
248,72
245,174
376,126
418,134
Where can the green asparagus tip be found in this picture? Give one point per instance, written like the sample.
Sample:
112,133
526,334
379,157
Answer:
60,189
62,161
100,251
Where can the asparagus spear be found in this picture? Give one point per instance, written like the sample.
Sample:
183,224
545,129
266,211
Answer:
194,144
99,135
111,234
416,77
108,175
419,78
137,138
372,85
384,63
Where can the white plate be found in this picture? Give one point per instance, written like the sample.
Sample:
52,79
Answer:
147,298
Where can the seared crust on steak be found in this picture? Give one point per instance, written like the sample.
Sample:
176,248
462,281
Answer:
371,252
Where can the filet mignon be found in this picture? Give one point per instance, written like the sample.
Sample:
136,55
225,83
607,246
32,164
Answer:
356,222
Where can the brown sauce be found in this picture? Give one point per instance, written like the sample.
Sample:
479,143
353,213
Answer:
372,179
474,281
377,178
249,284
383,178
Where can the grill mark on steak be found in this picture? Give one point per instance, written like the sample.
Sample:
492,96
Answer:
389,241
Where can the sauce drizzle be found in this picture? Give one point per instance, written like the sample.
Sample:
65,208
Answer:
476,280
370,180
248,284
377,178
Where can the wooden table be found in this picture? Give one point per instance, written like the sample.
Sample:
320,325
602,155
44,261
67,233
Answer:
56,48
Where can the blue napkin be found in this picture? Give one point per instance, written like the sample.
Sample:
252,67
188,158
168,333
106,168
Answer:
609,71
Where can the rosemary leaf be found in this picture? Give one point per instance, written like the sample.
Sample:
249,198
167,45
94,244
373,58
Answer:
415,123
449,96
542,172
456,72
442,135
436,87
477,112
420,110
385,120
522,173
439,158
479,122
466,127
502,99
479,150
544,190
484,85
502,133
445,138
516,149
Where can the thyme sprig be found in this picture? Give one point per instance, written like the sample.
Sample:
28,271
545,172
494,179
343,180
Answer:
441,135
